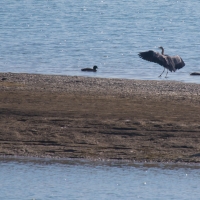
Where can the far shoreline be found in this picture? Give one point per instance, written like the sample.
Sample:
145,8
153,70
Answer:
90,75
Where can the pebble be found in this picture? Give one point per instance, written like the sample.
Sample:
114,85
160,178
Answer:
102,86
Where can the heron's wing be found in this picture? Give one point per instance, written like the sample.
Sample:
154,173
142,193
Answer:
174,63
179,63
153,57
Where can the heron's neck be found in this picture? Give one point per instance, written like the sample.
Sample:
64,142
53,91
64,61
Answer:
162,51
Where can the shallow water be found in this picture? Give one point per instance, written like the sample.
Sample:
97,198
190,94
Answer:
79,179
61,37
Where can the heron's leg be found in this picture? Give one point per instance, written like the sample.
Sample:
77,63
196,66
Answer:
162,73
166,74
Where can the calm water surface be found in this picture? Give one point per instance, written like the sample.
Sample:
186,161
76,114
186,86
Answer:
61,37
38,179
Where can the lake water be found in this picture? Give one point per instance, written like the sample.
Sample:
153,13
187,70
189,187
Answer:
39,179
61,37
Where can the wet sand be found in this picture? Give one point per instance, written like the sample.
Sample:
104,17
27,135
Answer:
96,118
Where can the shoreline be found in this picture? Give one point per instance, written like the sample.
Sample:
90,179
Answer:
99,118
98,162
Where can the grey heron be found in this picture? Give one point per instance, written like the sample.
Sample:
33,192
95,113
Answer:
171,63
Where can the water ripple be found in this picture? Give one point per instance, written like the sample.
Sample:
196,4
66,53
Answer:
62,37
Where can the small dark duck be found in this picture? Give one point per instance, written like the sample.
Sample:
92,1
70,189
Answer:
90,69
195,74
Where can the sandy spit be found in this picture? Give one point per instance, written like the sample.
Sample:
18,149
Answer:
98,118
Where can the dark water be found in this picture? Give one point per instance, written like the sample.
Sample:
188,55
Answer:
61,37
40,179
